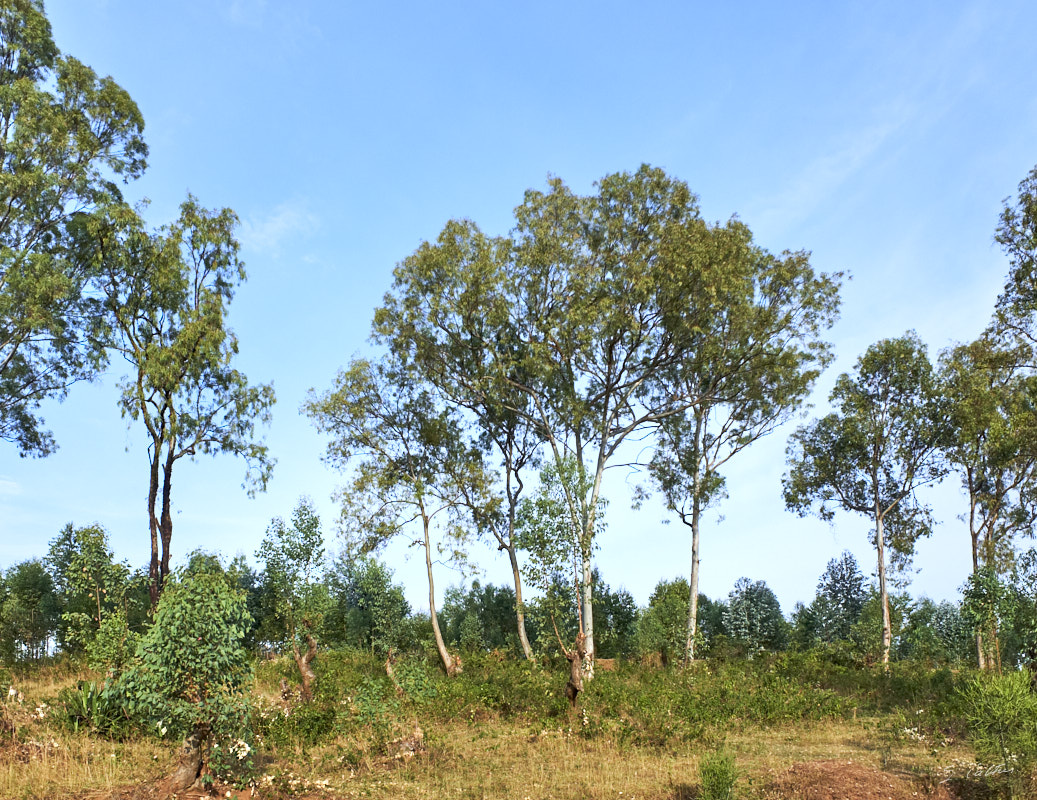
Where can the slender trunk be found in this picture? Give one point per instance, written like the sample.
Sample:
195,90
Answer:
696,512
693,600
887,628
303,660
167,515
981,655
520,611
451,664
587,603
154,576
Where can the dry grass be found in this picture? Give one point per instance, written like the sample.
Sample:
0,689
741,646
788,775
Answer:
485,759
489,760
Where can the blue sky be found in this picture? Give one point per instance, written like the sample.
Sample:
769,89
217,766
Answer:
882,137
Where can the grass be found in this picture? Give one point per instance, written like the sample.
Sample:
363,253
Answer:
502,732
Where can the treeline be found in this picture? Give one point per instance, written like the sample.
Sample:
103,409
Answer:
509,373
80,602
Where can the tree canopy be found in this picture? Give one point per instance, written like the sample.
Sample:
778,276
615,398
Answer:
66,138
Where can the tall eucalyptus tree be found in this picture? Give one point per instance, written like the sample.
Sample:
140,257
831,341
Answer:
66,137
166,295
580,323
874,451
411,466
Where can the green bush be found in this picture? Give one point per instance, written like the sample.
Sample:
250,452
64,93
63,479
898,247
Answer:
92,706
718,775
1001,714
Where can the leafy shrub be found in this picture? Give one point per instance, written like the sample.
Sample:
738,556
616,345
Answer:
92,706
718,775
1001,714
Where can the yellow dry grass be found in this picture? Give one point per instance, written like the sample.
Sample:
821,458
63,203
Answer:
460,760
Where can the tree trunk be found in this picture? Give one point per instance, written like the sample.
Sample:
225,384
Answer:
887,628
154,575
587,617
302,661
576,669
693,600
452,664
189,764
520,613
696,513
167,516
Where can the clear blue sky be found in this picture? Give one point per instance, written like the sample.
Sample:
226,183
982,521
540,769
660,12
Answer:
881,136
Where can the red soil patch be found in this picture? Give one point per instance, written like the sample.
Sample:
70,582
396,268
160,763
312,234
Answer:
847,780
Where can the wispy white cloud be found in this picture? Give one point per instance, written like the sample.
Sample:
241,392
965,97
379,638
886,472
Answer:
247,13
9,487
268,232
822,177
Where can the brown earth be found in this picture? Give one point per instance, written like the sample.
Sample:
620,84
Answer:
848,780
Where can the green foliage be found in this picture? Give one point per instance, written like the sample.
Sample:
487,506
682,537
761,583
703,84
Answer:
65,135
99,597
191,668
293,577
874,451
753,618
94,707
1001,714
480,618
994,421
28,612
718,775
368,610
615,619
936,633
598,317
167,295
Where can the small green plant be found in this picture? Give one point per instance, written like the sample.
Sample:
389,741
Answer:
91,706
718,775
1001,715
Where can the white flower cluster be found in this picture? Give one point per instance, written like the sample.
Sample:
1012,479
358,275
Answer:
240,749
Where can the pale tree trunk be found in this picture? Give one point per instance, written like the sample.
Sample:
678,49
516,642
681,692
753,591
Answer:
587,615
520,613
693,600
981,646
887,627
452,664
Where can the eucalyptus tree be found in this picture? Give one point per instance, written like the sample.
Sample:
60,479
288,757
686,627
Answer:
450,313
166,295
993,408
1016,312
411,466
874,451
579,324
749,374
66,135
